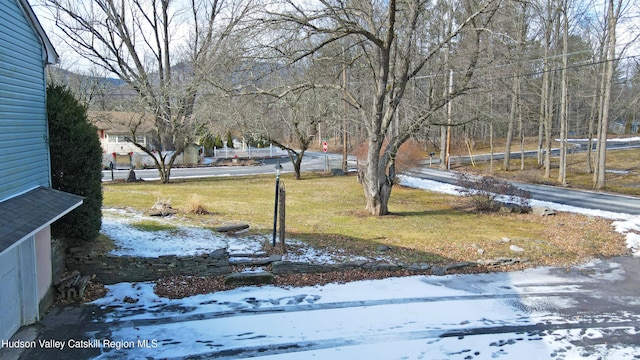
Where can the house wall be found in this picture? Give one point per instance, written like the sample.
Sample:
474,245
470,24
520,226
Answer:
44,270
24,154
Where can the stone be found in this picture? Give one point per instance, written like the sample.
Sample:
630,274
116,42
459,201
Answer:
255,261
232,228
542,211
507,209
257,278
132,176
294,267
337,172
516,248
459,265
382,248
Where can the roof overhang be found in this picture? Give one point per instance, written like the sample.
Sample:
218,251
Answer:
51,55
25,215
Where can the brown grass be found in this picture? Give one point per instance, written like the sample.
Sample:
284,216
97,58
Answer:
196,206
327,213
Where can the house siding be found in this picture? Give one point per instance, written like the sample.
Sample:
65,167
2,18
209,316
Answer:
24,153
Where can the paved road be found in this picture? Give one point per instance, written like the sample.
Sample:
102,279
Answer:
571,197
312,161
574,146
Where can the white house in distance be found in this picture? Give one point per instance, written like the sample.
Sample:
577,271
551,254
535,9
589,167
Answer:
114,131
28,205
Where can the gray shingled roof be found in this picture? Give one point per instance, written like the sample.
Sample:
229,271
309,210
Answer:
22,215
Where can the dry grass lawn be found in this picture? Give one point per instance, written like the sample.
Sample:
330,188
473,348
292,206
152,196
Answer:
327,212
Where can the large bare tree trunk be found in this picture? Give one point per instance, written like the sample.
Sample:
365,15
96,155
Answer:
562,172
377,183
613,14
511,120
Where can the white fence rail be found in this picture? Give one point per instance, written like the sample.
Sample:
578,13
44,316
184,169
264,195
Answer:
139,159
248,152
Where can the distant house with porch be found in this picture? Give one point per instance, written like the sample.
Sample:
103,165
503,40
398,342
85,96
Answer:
28,205
114,131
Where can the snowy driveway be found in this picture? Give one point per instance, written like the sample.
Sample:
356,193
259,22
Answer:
591,312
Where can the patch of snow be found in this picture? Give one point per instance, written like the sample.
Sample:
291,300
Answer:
183,240
619,172
409,317
305,253
620,140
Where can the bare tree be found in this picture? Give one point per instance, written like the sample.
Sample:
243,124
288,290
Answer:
295,125
563,7
393,39
614,9
160,48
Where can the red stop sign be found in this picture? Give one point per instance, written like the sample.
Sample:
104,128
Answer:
324,146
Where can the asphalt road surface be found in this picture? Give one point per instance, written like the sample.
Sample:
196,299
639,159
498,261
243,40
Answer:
579,198
312,161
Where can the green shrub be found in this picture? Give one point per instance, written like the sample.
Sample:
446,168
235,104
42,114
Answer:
76,163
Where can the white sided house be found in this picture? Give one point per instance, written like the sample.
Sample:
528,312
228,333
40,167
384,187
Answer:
116,130
28,205
115,133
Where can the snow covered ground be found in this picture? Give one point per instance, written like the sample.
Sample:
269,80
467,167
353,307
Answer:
502,315
185,240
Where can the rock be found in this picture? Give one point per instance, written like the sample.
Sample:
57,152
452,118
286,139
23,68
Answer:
516,248
383,248
502,261
459,265
542,211
419,267
257,278
382,267
507,209
337,172
132,176
254,261
232,228
275,257
480,251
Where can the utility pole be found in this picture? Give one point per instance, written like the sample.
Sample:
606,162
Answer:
448,151
344,118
